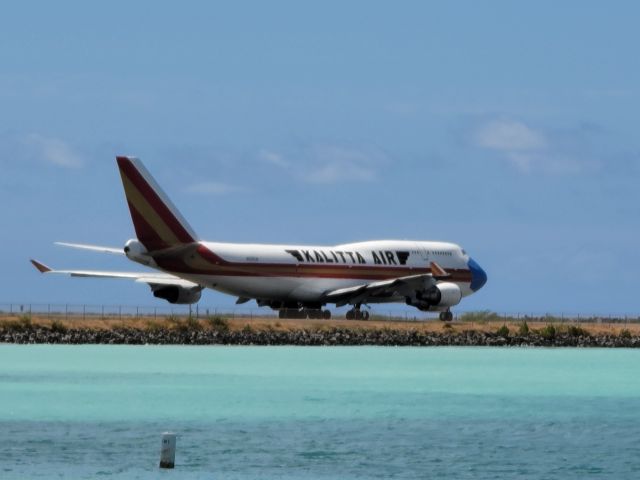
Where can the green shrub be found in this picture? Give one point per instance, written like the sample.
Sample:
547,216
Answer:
577,331
58,327
247,329
523,329
218,323
624,333
549,332
503,331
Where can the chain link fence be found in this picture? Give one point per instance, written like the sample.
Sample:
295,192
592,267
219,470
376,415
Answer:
123,312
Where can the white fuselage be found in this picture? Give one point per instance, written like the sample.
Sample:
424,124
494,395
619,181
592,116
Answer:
305,273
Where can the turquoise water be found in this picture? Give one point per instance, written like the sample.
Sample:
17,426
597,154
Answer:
346,412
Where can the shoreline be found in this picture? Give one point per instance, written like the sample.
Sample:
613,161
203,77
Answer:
269,331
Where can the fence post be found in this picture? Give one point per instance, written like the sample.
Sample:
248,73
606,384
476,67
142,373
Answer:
84,312
66,312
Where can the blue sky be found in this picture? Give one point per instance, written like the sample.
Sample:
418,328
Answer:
509,128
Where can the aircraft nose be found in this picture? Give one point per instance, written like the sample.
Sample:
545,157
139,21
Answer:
478,275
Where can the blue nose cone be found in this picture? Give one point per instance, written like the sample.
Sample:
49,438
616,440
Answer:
478,275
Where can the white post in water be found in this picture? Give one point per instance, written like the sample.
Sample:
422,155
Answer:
168,450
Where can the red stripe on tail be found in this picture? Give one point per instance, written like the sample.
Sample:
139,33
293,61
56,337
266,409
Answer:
145,232
165,214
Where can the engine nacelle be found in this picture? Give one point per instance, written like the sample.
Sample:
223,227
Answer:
136,251
442,295
177,295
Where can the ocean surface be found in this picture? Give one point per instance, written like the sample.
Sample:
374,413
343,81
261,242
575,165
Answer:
319,413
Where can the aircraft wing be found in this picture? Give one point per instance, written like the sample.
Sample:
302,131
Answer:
375,290
149,278
400,286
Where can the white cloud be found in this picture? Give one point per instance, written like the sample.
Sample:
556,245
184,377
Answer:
509,135
327,164
53,151
341,172
530,150
273,158
213,188
334,164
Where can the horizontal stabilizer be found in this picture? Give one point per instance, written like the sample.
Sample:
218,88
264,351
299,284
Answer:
93,248
42,268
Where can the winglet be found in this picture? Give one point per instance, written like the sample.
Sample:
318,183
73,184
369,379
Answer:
42,268
437,271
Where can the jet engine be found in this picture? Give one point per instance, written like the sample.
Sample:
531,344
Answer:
177,294
442,295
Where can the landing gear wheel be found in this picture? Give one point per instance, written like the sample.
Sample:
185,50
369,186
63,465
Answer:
446,316
357,314
326,314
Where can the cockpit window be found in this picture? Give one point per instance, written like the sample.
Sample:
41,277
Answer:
463,252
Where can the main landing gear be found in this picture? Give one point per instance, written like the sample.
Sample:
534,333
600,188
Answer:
302,313
446,316
356,314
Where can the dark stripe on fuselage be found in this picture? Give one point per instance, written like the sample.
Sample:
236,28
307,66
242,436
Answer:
208,263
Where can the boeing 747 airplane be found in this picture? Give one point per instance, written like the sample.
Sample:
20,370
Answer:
296,280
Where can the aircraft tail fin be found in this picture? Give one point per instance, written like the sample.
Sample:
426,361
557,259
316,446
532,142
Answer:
157,222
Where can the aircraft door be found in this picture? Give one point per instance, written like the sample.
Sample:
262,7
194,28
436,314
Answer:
423,254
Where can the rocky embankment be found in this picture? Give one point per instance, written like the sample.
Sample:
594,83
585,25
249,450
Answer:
310,337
